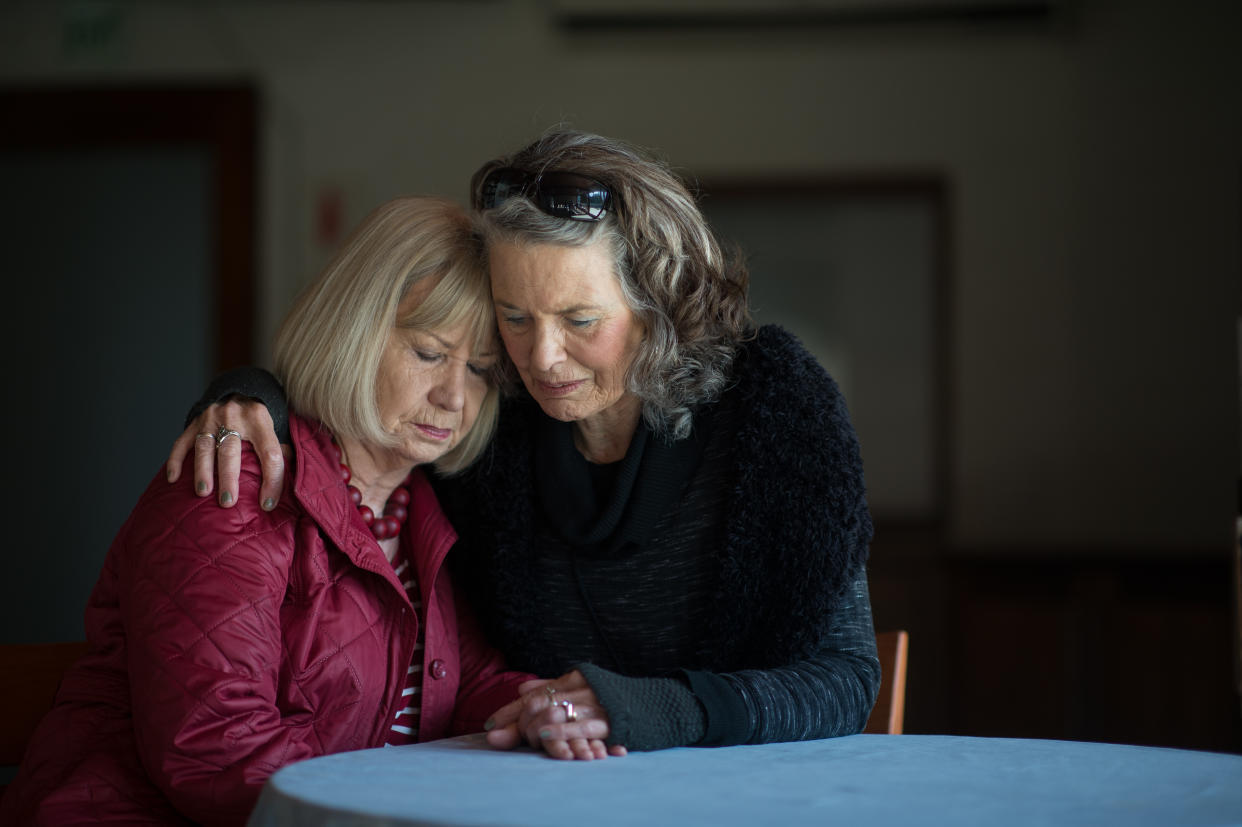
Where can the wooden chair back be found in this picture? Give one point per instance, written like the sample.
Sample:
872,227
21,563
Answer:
30,674
1237,610
889,714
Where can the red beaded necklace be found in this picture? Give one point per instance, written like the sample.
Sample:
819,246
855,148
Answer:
396,510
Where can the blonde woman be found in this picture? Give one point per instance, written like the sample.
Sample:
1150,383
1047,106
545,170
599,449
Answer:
227,643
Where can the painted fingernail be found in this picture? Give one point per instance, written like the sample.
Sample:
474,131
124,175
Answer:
489,725
226,497
201,487
269,504
545,733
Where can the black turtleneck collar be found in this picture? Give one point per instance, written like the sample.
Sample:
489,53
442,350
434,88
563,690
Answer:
645,482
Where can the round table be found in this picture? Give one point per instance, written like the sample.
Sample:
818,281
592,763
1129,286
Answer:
870,780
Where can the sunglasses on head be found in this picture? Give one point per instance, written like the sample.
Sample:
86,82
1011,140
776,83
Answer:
558,193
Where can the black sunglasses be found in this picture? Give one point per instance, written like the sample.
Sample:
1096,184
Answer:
562,194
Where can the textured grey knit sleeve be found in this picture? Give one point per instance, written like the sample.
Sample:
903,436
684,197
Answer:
828,694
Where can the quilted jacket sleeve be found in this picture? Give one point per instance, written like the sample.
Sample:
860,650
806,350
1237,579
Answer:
200,592
485,683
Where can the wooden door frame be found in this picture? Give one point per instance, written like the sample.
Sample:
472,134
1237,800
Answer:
222,119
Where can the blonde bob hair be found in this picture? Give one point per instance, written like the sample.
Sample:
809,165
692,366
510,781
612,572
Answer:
329,348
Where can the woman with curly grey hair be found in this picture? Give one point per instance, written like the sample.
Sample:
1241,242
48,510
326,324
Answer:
671,517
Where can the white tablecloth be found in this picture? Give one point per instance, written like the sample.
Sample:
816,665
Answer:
868,780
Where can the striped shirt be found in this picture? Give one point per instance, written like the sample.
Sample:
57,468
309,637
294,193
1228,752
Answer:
404,728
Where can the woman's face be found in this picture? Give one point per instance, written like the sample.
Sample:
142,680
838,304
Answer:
430,385
566,326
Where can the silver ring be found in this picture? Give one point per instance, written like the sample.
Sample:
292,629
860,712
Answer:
224,433
550,692
570,714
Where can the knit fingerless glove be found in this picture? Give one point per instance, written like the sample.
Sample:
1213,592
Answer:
646,713
255,383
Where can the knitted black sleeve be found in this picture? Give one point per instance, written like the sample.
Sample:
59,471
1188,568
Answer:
825,695
646,713
255,383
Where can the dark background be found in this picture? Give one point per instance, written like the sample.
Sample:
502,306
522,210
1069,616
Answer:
1054,456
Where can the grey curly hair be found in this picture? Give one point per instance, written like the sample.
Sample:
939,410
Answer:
691,297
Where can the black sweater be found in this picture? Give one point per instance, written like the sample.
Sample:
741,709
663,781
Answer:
717,593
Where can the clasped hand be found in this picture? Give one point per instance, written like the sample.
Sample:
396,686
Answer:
541,719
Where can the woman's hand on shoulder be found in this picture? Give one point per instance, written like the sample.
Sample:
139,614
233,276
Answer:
562,717
250,420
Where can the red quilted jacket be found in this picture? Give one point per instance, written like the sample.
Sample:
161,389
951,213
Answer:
226,643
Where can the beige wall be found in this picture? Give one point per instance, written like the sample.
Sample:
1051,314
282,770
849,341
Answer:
1094,163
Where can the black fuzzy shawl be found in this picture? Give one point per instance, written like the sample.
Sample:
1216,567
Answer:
796,537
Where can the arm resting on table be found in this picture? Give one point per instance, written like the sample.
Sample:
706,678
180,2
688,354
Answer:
827,694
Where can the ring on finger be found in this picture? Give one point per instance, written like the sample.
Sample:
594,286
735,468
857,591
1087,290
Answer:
224,433
550,692
571,714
